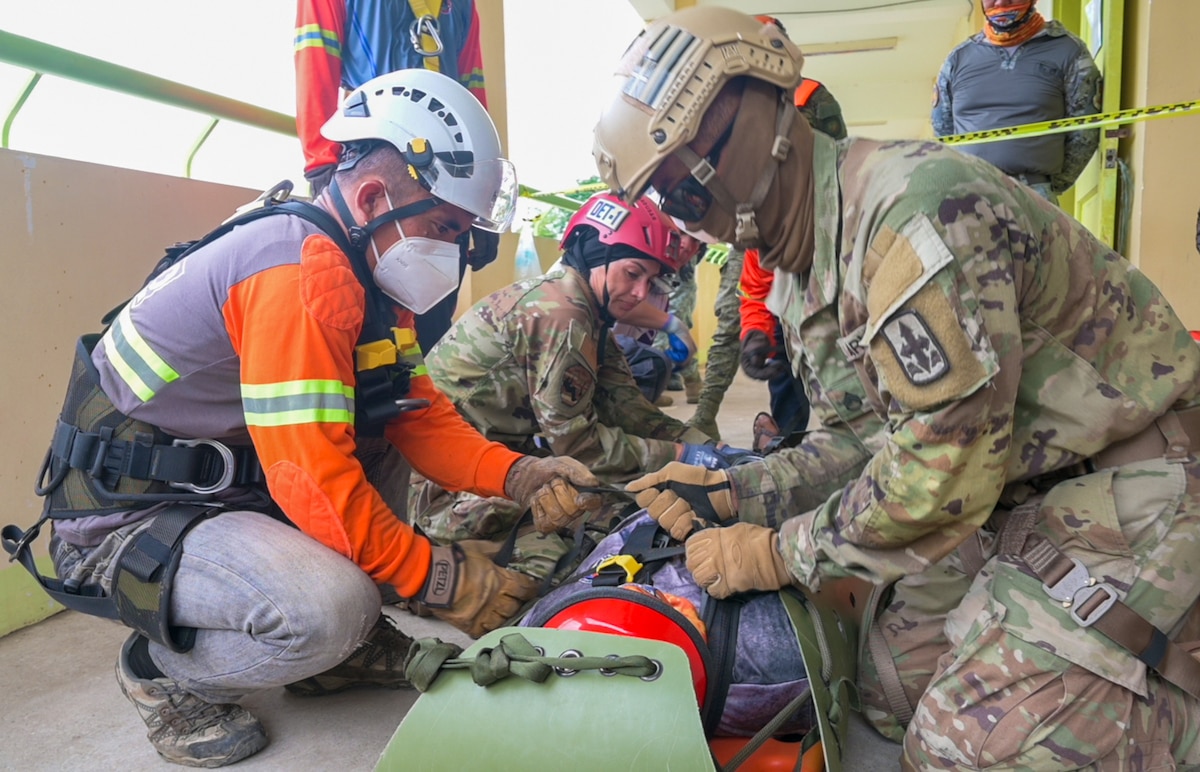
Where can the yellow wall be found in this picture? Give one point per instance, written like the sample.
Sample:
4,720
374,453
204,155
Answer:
500,273
1163,154
78,239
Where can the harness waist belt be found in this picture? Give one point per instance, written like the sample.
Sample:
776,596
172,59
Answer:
1172,436
200,465
1092,603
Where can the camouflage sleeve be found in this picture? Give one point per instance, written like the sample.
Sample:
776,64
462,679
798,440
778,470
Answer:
621,404
942,115
1083,88
573,398
938,350
798,479
824,113
725,347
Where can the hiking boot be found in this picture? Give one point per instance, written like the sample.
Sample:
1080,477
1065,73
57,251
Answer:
378,661
664,400
691,385
183,728
675,383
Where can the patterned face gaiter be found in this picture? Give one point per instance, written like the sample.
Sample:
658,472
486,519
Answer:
1012,25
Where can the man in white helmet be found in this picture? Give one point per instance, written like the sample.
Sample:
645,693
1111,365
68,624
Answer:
1008,418
252,355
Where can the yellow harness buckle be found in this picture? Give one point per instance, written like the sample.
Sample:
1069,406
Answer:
384,352
627,563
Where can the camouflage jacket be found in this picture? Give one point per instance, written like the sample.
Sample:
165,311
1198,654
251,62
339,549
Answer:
983,86
957,333
522,363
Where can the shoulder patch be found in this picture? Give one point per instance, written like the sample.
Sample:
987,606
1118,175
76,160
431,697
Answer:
577,384
927,344
916,348
925,353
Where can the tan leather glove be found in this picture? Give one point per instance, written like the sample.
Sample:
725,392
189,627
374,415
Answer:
738,558
683,498
468,590
547,486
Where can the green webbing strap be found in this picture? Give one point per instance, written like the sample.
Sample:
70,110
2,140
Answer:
513,656
830,660
768,731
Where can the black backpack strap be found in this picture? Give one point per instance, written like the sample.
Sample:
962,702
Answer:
721,619
647,545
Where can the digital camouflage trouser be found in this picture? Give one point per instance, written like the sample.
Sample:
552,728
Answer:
1005,678
725,348
683,305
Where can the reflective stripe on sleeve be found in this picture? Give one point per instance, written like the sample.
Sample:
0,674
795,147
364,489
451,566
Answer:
142,370
314,36
297,402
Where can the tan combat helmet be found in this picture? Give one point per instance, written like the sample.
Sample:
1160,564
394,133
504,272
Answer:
670,75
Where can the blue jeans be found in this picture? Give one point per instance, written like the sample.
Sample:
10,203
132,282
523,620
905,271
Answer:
270,604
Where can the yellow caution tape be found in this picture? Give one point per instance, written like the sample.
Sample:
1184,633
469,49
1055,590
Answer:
1060,126
1081,123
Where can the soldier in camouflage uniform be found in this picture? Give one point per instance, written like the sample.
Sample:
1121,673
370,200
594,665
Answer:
535,366
823,113
1009,415
1021,69
683,305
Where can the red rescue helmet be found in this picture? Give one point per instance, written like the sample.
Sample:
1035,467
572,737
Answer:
640,226
619,611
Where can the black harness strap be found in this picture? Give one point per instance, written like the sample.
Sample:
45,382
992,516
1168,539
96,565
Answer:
721,619
150,558
199,466
89,599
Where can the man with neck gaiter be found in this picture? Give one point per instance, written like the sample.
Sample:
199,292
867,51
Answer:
1021,69
1007,414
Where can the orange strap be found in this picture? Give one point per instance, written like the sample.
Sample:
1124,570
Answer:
805,90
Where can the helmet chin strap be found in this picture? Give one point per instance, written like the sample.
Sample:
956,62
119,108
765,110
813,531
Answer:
746,233
360,235
606,315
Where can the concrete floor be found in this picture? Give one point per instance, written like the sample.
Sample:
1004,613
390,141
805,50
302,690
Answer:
60,708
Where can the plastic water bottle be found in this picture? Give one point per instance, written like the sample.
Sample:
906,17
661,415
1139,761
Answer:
527,264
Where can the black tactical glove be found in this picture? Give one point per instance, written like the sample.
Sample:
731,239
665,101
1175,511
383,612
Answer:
757,353
484,247
318,178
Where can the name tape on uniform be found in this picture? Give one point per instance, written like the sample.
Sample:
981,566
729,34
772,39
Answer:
1080,123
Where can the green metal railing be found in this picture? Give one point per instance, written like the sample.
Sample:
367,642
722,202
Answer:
45,59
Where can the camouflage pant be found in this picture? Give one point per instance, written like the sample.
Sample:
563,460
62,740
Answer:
724,349
1010,681
449,517
683,305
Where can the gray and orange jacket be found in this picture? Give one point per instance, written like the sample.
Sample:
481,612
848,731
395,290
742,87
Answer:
252,339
